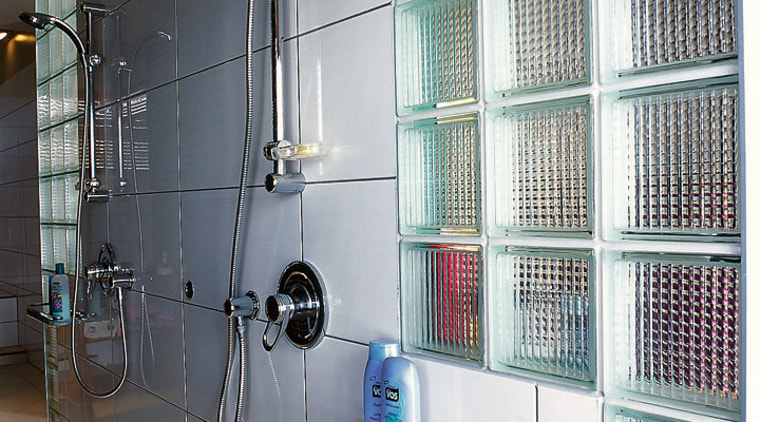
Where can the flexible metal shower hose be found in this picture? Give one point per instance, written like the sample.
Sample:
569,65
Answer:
237,324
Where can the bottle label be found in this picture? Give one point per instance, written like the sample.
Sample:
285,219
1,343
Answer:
377,391
394,405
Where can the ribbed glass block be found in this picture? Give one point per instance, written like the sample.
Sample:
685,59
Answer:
43,56
60,251
68,49
57,160
440,299
620,414
71,249
58,187
439,176
677,169
56,50
67,7
71,159
655,33
56,100
46,200
436,53
43,105
676,328
542,312
70,94
70,195
54,7
536,44
46,247
540,165
43,152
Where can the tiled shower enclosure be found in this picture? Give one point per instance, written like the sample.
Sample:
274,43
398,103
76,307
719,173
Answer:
547,213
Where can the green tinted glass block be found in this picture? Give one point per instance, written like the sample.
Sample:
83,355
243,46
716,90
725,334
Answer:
651,34
620,414
436,44
540,168
536,44
441,290
439,176
676,170
676,328
542,313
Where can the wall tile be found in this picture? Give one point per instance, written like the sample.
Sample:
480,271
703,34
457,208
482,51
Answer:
155,340
149,136
207,229
467,394
211,127
347,98
313,14
7,309
350,237
157,268
135,404
75,403
8,334
567,405
272,240
334,373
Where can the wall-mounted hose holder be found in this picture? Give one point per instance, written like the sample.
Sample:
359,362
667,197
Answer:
281,181
298,309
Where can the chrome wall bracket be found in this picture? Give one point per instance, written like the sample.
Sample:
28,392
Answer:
299,308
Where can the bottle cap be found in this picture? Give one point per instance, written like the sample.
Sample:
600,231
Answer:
59,268
381,349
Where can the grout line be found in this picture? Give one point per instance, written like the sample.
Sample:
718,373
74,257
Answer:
333,23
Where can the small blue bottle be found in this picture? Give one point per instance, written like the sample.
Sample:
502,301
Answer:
60,305
401,391
379,350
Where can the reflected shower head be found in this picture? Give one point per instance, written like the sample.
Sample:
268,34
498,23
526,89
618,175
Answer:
37,20
41,20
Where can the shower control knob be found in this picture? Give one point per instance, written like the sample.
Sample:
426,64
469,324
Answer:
244,306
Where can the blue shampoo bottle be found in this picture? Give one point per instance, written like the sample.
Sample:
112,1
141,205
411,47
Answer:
379,350
60,304
401,391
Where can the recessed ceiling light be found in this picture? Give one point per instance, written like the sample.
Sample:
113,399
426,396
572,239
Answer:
3,34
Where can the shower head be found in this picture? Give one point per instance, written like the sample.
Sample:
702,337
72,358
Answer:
37,20
41,20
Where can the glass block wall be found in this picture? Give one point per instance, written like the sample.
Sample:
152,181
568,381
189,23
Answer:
587,161
58,157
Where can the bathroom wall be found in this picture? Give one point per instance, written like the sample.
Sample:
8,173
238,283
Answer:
19,210
175,71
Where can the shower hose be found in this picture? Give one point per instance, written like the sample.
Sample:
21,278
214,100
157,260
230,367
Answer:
237,324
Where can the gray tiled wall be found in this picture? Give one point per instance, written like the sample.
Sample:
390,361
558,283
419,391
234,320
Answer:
19,210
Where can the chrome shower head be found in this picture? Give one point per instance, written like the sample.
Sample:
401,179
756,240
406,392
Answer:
37,20
41,20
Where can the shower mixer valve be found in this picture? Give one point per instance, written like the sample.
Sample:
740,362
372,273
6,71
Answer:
298,308
109,273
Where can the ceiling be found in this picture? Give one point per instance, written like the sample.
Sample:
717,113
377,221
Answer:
9,10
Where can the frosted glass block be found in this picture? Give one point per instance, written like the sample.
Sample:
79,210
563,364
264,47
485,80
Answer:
46,200
540,165
542,312
58,193
536,44
620,414
67,7
43,56
676,328
68,49
56,100
436,54
46,247
439,176
42,6
71,158
43,152
56,50
647,34
441,291
54,7
60,251
43,105
71,249
676,170
57,149
71,196
70,94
